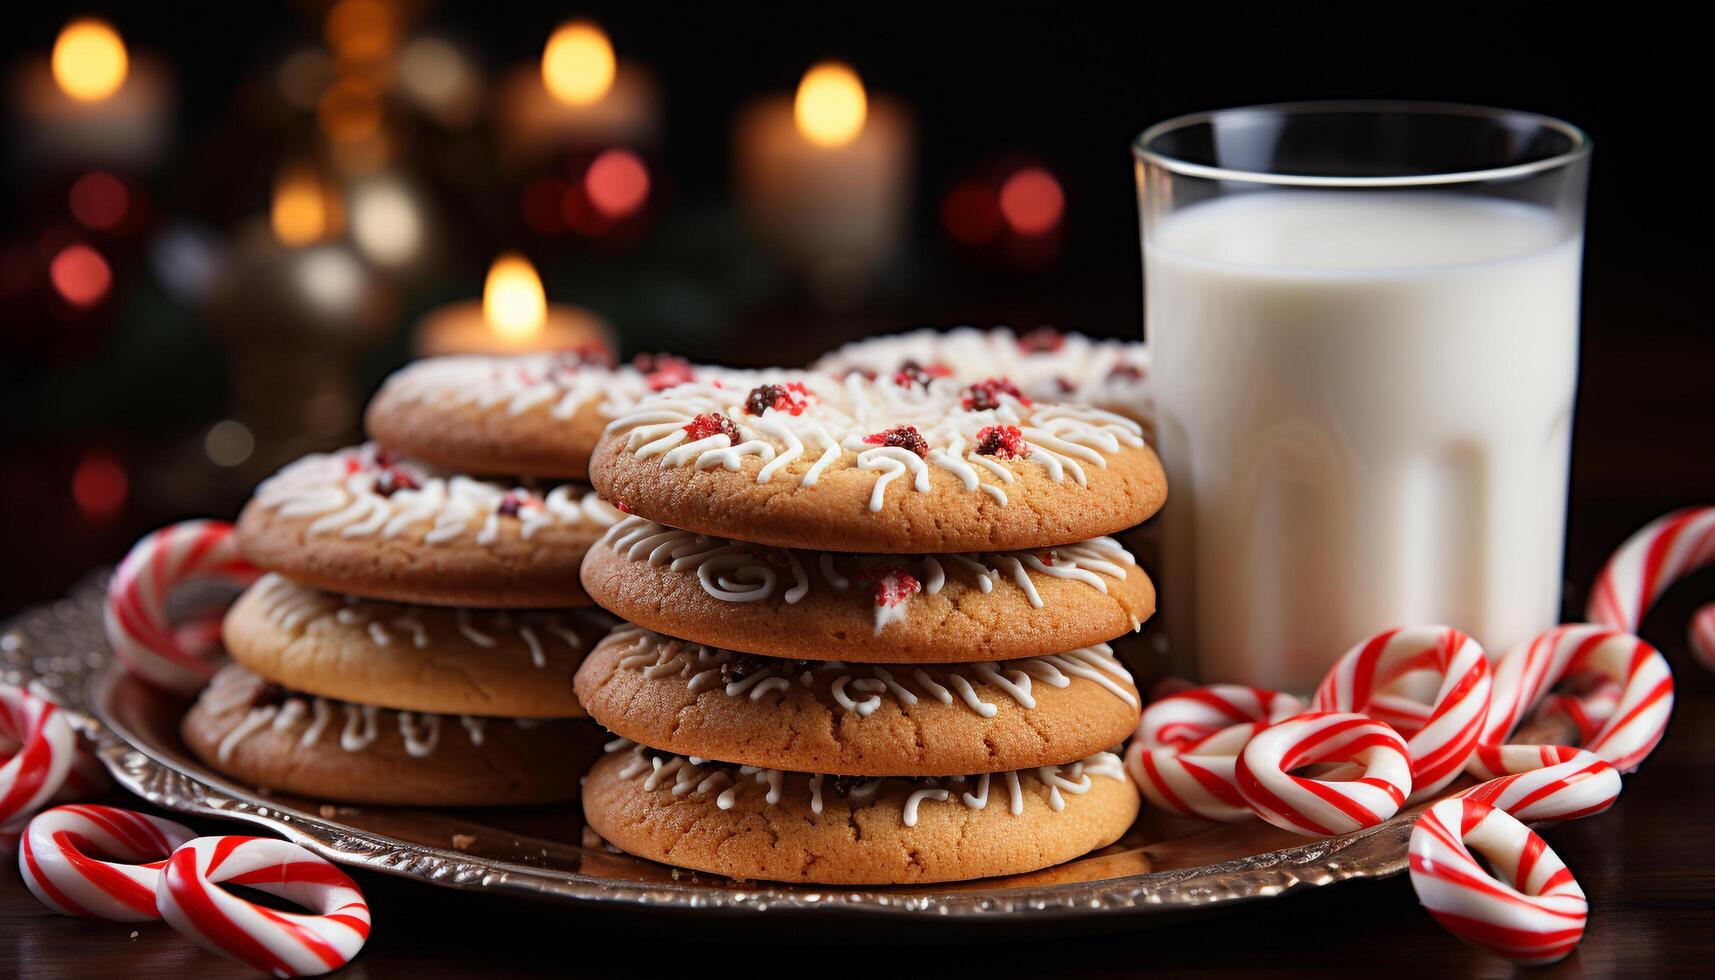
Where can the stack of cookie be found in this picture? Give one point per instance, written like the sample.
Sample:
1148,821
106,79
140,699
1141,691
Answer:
415,640
895,669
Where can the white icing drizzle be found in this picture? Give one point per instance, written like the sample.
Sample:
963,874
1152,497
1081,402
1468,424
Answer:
736,571
1062,439
684,776
862,688
295,609
338,490
517,384
1113,374
360,727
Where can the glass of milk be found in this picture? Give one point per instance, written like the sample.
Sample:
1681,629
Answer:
1364,324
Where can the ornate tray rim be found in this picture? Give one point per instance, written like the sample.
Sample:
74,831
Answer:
81,679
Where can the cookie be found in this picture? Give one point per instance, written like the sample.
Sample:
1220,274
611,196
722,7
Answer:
260,734
907,464
363,522
533,414
515,663
787,826
1046,364
872,608
857,719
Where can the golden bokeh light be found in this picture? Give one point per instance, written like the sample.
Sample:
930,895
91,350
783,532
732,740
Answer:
831,106
361,30
302,213
577,64
89,60
513,302
349,112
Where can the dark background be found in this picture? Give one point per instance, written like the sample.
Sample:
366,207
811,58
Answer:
992,86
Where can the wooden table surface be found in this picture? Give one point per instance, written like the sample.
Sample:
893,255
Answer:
1648,865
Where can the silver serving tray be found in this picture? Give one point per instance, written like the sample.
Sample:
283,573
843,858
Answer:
1164,869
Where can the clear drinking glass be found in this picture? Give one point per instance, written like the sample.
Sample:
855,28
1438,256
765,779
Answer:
1364,325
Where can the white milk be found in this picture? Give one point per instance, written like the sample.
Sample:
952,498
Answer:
1365,410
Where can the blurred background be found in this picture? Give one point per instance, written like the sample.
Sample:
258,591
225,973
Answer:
225,223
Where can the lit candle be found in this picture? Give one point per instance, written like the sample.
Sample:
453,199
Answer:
824,177
578,93
513,317
92,102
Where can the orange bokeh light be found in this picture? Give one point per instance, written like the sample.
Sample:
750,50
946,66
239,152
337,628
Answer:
1031,202
80,275
99,485
617,183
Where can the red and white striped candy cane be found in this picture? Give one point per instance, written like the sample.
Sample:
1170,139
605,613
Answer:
1648,563
1325,807
1535,915
57,863
1587,710
1526,673
37,744
1187,743
285,944
1546,782
144,639
1441,738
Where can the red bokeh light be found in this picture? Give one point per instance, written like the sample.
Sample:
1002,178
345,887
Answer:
1032,202
99,485
971,213
99,201
617,183
80,275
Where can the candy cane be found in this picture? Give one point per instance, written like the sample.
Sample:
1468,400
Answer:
1586,710
145,641
1440,739
1322,807
1536,915
1546,782
45,744
56,863
1527,672
1187,744
1666,550
285,944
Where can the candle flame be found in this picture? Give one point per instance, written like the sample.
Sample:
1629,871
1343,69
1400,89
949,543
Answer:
89,60
831,106
302,213
513,302
577,64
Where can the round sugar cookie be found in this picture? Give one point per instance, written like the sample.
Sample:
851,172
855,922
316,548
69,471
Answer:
533,414
1046,364
871,608
364,522
907,464
260,734
513,663
788,826
858,719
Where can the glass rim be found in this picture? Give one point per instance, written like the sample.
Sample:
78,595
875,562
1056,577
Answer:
1581,144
